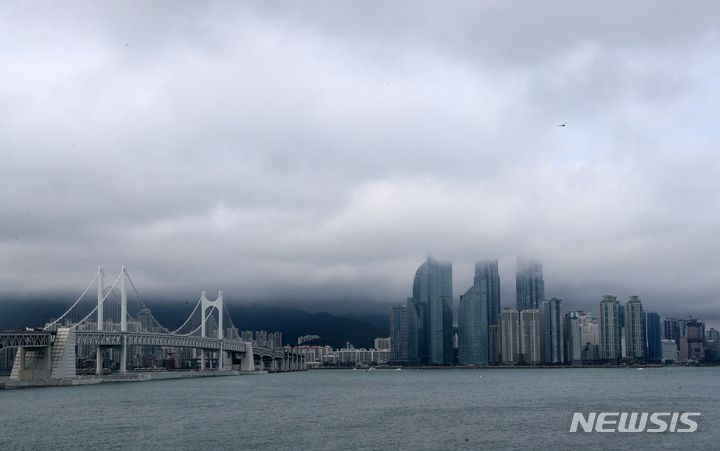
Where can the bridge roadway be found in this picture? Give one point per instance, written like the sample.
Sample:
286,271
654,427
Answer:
114,338
25,339
51,354
42,339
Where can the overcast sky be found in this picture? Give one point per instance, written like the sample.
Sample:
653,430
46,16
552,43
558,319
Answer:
320,150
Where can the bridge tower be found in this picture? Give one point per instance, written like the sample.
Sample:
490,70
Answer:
206,304
123,320
100,318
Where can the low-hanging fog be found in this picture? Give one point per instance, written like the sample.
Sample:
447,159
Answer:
320,150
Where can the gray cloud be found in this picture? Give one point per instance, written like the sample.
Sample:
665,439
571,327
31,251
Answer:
319,150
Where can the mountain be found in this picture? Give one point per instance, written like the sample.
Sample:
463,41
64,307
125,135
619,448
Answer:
334,330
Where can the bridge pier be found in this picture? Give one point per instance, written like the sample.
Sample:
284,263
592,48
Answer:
123,356
247,362
41,358
98,360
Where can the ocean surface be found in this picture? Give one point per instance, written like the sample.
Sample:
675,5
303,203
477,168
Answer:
346,409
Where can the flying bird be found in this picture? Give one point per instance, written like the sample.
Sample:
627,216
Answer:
563,124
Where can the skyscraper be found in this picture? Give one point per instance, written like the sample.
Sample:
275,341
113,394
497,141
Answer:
654,345
590,336
417,331
529,284
430,324
494,343
634,329
610,340
551,331
530,336
573,338
473,325
399,333
509,336
486,271
479,308
692,344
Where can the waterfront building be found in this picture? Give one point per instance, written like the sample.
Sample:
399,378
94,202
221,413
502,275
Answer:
417,331
399,333
610,339
430,322
551,332
712,345
529,284
573,342
259,338
590,335
530,336
692,345
669,351
494,343
674,329
670,328
486,272
383,343
478,309
634,329
654,335
473,326
509,336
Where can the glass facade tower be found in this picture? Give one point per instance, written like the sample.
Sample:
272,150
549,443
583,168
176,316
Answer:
529,284
430,323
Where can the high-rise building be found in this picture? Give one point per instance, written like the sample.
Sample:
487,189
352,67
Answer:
590,336
399,333
692,344
669,351
473,325
610,340
417,331
634,329
654,335
674,329
509,336
383,343
551,332
430,323
486,271
494,343
479,308
529,284
712,344
530,336
572,336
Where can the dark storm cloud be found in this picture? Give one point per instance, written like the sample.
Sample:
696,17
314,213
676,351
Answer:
320,149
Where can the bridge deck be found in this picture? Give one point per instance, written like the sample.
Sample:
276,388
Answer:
25,339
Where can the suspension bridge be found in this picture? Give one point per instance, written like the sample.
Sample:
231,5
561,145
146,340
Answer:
116,332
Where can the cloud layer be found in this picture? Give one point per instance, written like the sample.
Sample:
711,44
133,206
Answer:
319,151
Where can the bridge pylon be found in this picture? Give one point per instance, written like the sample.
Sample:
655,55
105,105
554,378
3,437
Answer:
218,305
100,318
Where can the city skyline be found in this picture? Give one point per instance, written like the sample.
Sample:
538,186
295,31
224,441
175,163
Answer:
359,225
538,331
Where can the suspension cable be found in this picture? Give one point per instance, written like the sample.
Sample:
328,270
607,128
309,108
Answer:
212,309
188,318
101,302
74,304
143,303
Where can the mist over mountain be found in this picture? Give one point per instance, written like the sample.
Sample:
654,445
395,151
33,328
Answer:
334,330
